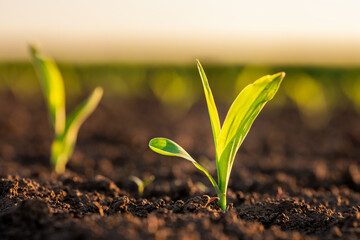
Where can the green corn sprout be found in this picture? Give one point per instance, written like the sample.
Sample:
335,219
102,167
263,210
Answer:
230,136
141,183
65,128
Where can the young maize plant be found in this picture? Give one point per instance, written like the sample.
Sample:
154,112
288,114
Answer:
141,183
230,136
65,128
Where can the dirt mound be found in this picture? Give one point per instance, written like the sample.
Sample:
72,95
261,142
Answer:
288,182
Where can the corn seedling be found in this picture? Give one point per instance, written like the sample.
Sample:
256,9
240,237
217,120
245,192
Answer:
229,137
65,128
141,183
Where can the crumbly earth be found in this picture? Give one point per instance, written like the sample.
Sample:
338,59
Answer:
289,181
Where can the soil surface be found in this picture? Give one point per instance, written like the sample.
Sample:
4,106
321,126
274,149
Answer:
288,182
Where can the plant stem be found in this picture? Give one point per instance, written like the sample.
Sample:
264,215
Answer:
59,157
222,201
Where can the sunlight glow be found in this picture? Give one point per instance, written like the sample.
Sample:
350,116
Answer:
204,24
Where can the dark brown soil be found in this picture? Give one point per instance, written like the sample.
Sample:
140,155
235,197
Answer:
288,182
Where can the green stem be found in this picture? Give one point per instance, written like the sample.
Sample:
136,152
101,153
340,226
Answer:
59,155
222,201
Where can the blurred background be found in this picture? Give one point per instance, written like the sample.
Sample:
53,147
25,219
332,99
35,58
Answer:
147,49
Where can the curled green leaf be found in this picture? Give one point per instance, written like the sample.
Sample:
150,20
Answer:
167,147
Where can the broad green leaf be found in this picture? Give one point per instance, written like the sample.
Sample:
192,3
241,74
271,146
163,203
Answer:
53,88
239,119
213,113
167,147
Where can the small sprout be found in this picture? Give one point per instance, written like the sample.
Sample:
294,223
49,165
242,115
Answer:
229,137
65,128
209,200
99,207
141,183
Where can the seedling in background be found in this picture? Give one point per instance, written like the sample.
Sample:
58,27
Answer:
229,137
141,183
65,128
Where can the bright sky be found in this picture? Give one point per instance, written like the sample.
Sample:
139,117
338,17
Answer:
170,30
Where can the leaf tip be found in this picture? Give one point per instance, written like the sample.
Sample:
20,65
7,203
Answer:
156,141
99,91
151,143
279,75
33,49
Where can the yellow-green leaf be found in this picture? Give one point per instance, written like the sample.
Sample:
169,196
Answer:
213,113
53,87
167,147
239,119
79,115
